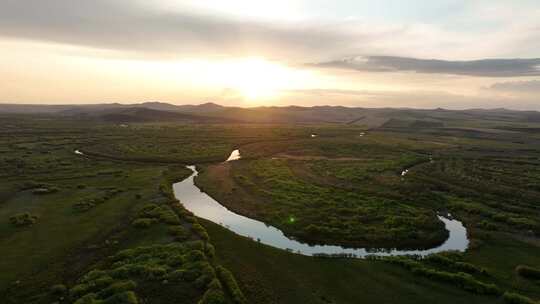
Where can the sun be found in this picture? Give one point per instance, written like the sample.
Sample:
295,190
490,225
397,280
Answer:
258,79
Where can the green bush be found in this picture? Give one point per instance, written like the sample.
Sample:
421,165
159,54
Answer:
92,275
514,298
175,260
127,297
209,250
178,232
214,294
83,206
42,191
200,231
143,223
460,279
150,211
528,272
195,256
88,299
58,289
23,219
442,260
226,277
164,213
116,288
78,290
168,216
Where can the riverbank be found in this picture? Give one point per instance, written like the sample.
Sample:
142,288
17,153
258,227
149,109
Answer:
270,275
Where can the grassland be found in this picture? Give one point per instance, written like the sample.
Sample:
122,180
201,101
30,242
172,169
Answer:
70,225
350,189
104,227
488,181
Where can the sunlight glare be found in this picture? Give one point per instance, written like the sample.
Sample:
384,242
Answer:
259,79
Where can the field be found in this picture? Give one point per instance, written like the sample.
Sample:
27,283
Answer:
103,227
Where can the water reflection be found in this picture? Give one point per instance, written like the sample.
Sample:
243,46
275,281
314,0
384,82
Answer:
235,155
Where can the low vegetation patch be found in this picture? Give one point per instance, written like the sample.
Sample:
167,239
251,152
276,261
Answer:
43,191
528,272
515,298
460,279
90,203
144,222
230,283
175,263
23,219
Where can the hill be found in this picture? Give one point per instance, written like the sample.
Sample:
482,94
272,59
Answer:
214,113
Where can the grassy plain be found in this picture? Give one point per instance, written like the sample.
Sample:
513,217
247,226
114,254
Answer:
487,180
104,227
85,242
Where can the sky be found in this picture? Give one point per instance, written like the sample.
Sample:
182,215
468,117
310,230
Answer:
411,53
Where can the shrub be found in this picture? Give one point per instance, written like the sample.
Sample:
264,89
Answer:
155,272
41,191
127,297
214,294
200,231
209,250
488,225
188,275
163,213
178,232
87,299
195,256
460,279
191,219
58,289
83,206
143,223
92,275
116,288
177,275
514,298
226,277
175,260
202,281
439,259
78,290
168,216
528,272
23,219
150,211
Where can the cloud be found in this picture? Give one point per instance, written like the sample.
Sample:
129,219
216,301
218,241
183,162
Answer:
136,25
164,28
529,86
484,68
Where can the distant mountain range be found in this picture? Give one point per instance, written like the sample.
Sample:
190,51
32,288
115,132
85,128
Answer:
214,113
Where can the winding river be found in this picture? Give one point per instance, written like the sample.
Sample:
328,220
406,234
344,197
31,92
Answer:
202,205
